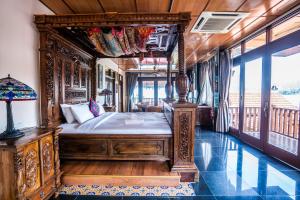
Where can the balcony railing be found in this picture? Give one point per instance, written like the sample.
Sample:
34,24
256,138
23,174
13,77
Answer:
283,121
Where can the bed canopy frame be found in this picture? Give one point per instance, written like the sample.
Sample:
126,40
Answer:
68,75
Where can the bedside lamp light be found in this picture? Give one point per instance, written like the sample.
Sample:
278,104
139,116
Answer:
104,93
13,90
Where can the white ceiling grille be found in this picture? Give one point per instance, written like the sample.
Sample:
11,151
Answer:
217,22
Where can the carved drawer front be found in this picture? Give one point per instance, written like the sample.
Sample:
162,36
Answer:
75,147
47,157
32,168
138,147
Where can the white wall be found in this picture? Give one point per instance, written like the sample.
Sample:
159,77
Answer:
19,55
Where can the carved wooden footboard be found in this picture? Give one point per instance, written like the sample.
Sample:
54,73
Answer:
115,147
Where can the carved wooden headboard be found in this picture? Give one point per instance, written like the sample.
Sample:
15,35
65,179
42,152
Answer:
65,76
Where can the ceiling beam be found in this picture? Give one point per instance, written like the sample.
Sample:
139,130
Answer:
112,19
68,6
171,5
99,2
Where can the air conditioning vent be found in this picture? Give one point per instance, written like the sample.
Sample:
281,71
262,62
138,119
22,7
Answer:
217,22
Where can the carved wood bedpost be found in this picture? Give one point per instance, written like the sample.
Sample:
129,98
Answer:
168,87
46,77
93,79
184,122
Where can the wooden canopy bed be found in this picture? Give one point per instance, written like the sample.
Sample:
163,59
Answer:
68,75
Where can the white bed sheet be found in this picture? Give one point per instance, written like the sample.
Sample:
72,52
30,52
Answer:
122,123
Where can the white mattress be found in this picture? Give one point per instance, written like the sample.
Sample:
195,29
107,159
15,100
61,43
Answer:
122,123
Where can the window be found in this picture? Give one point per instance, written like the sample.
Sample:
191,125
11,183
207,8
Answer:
207,94
136,94
236,51
161,91
286,28
148,92
255,42
234,97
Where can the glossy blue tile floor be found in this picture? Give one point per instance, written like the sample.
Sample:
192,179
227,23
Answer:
230,169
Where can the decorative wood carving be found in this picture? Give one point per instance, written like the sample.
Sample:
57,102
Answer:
50,71
72,54
184,122
168,87
76,94
24,162
31,168
76,75
181,79
106,19
61,77
56,161
83,78
184,132
67,73
47,157
19,170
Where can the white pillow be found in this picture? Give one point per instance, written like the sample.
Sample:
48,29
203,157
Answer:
66,109
82,112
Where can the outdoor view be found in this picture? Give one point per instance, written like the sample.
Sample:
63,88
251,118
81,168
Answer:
285,99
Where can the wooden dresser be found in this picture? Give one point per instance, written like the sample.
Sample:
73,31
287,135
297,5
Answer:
204,117
29,166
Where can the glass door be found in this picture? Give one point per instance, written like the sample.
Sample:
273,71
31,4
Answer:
252,102
283,131
148,92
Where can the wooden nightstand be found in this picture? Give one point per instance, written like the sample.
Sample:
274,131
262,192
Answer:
31,165
109,108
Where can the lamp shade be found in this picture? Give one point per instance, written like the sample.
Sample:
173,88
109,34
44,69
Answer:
105,92
14,90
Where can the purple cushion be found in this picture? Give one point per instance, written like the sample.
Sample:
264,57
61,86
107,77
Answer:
94,108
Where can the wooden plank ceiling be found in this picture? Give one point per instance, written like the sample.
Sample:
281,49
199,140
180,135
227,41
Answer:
197,45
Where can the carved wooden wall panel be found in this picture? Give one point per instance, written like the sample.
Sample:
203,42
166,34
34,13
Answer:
184,133
20,173
32,168
65,75
47,157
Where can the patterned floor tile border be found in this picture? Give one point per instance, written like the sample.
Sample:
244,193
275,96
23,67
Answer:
184,189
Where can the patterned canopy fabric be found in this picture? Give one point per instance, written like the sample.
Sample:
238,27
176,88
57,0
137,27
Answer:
142,36
96,37
118,41
13,90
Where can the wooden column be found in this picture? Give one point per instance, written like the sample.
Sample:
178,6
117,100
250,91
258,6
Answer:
181,79
94,79
184,117
168,87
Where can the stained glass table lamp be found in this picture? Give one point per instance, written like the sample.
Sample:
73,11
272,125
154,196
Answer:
13,90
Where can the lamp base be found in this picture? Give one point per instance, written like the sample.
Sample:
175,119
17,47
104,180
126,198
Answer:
11,135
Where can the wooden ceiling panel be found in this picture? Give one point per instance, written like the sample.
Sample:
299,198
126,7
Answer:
118,5
84,7
197,45
57,6
246,27
224,5
258,7
153,5
193,6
